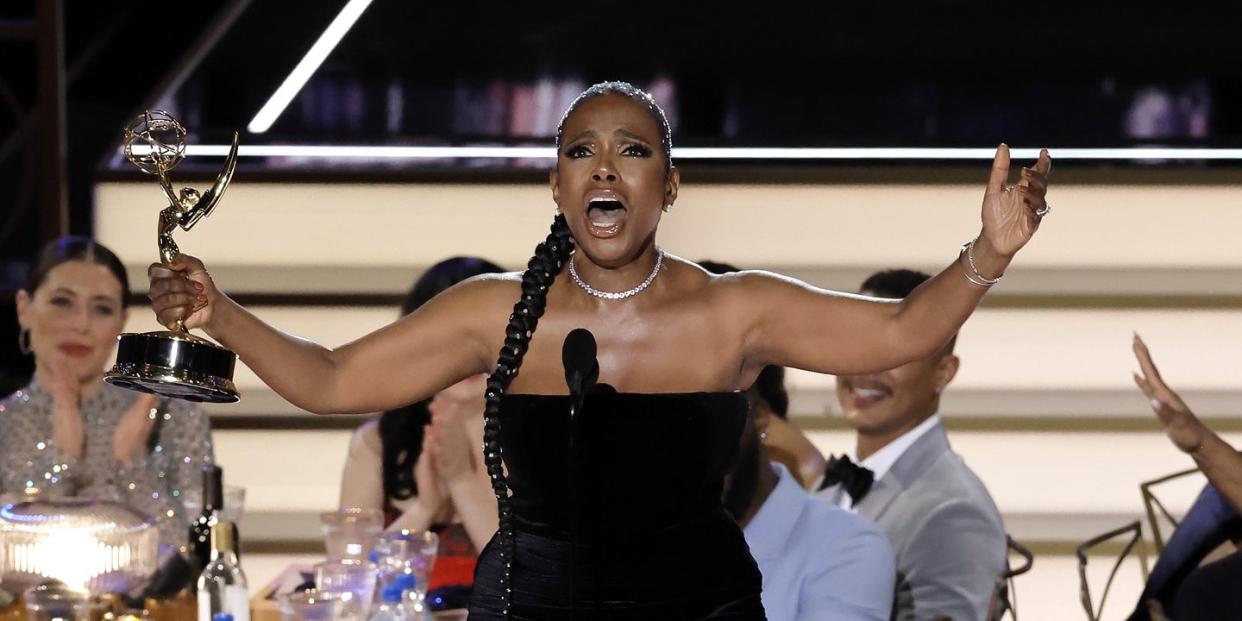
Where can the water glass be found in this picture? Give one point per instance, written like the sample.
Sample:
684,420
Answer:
354,579
350,533
234,503
312,605
56,602
407,552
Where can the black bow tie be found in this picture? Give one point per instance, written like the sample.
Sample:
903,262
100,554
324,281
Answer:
854,478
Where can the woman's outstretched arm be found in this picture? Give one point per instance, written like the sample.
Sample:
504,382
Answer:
447,340
797,325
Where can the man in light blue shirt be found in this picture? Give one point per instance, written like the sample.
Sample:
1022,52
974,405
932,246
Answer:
819,562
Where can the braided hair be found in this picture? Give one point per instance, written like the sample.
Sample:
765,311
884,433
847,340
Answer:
549,259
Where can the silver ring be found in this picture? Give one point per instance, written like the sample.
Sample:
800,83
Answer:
1044,210
1008,188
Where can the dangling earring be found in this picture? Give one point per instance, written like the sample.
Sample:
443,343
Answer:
23,342
668,207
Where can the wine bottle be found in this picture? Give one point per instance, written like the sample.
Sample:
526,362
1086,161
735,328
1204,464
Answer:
222,586
200,528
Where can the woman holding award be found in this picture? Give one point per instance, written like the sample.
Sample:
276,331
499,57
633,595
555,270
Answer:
676,346
68,433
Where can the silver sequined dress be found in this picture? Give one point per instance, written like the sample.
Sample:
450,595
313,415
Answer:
162,479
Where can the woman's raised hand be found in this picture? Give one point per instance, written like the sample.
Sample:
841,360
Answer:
452,449
431,493
182,290
1011,213
67,430
134,428
1185,429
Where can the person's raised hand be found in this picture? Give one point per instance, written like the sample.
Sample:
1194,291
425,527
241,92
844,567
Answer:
66,388
452,452
431,493
134,428
1012,213
1181,425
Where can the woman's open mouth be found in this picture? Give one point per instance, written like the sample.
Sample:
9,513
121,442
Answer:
605,216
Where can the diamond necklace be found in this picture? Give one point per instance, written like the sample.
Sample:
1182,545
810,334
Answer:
620,295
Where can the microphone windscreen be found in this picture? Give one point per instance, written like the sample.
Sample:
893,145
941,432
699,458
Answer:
578,356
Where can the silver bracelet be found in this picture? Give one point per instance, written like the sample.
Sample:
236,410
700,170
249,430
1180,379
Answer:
973,274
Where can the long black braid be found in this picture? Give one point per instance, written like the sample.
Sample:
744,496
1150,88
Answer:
550,257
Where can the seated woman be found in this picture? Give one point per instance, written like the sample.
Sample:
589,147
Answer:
68,433
388,466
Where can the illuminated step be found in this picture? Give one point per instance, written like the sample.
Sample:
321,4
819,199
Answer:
1100,239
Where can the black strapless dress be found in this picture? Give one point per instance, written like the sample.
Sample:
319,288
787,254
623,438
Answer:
629,524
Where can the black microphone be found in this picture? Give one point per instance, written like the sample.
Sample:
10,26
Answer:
581,368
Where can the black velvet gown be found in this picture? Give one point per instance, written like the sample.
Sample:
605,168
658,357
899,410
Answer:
626,523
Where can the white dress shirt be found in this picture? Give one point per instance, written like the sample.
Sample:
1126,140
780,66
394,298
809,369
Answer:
882,460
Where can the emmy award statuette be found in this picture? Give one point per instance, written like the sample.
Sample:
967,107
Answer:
173,363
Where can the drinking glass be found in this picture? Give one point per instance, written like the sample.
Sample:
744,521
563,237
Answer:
350,533
355,579
56,602
311,605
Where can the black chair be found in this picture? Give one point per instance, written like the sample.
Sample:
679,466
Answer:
1004,593
1134,542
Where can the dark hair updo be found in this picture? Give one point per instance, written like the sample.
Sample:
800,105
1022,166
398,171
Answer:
625,89
74,248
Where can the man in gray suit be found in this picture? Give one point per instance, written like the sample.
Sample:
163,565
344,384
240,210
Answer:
945,530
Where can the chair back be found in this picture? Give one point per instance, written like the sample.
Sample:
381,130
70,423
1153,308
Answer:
1004,593
1157,514
1133,543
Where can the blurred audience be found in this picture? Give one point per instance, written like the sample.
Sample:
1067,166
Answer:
945,530
67,433
422,464
786,443
817,561
1179,586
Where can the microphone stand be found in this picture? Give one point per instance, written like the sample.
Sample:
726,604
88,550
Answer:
581,371
575,405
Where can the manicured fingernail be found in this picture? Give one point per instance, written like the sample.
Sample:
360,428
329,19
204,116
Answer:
202,298
198,285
